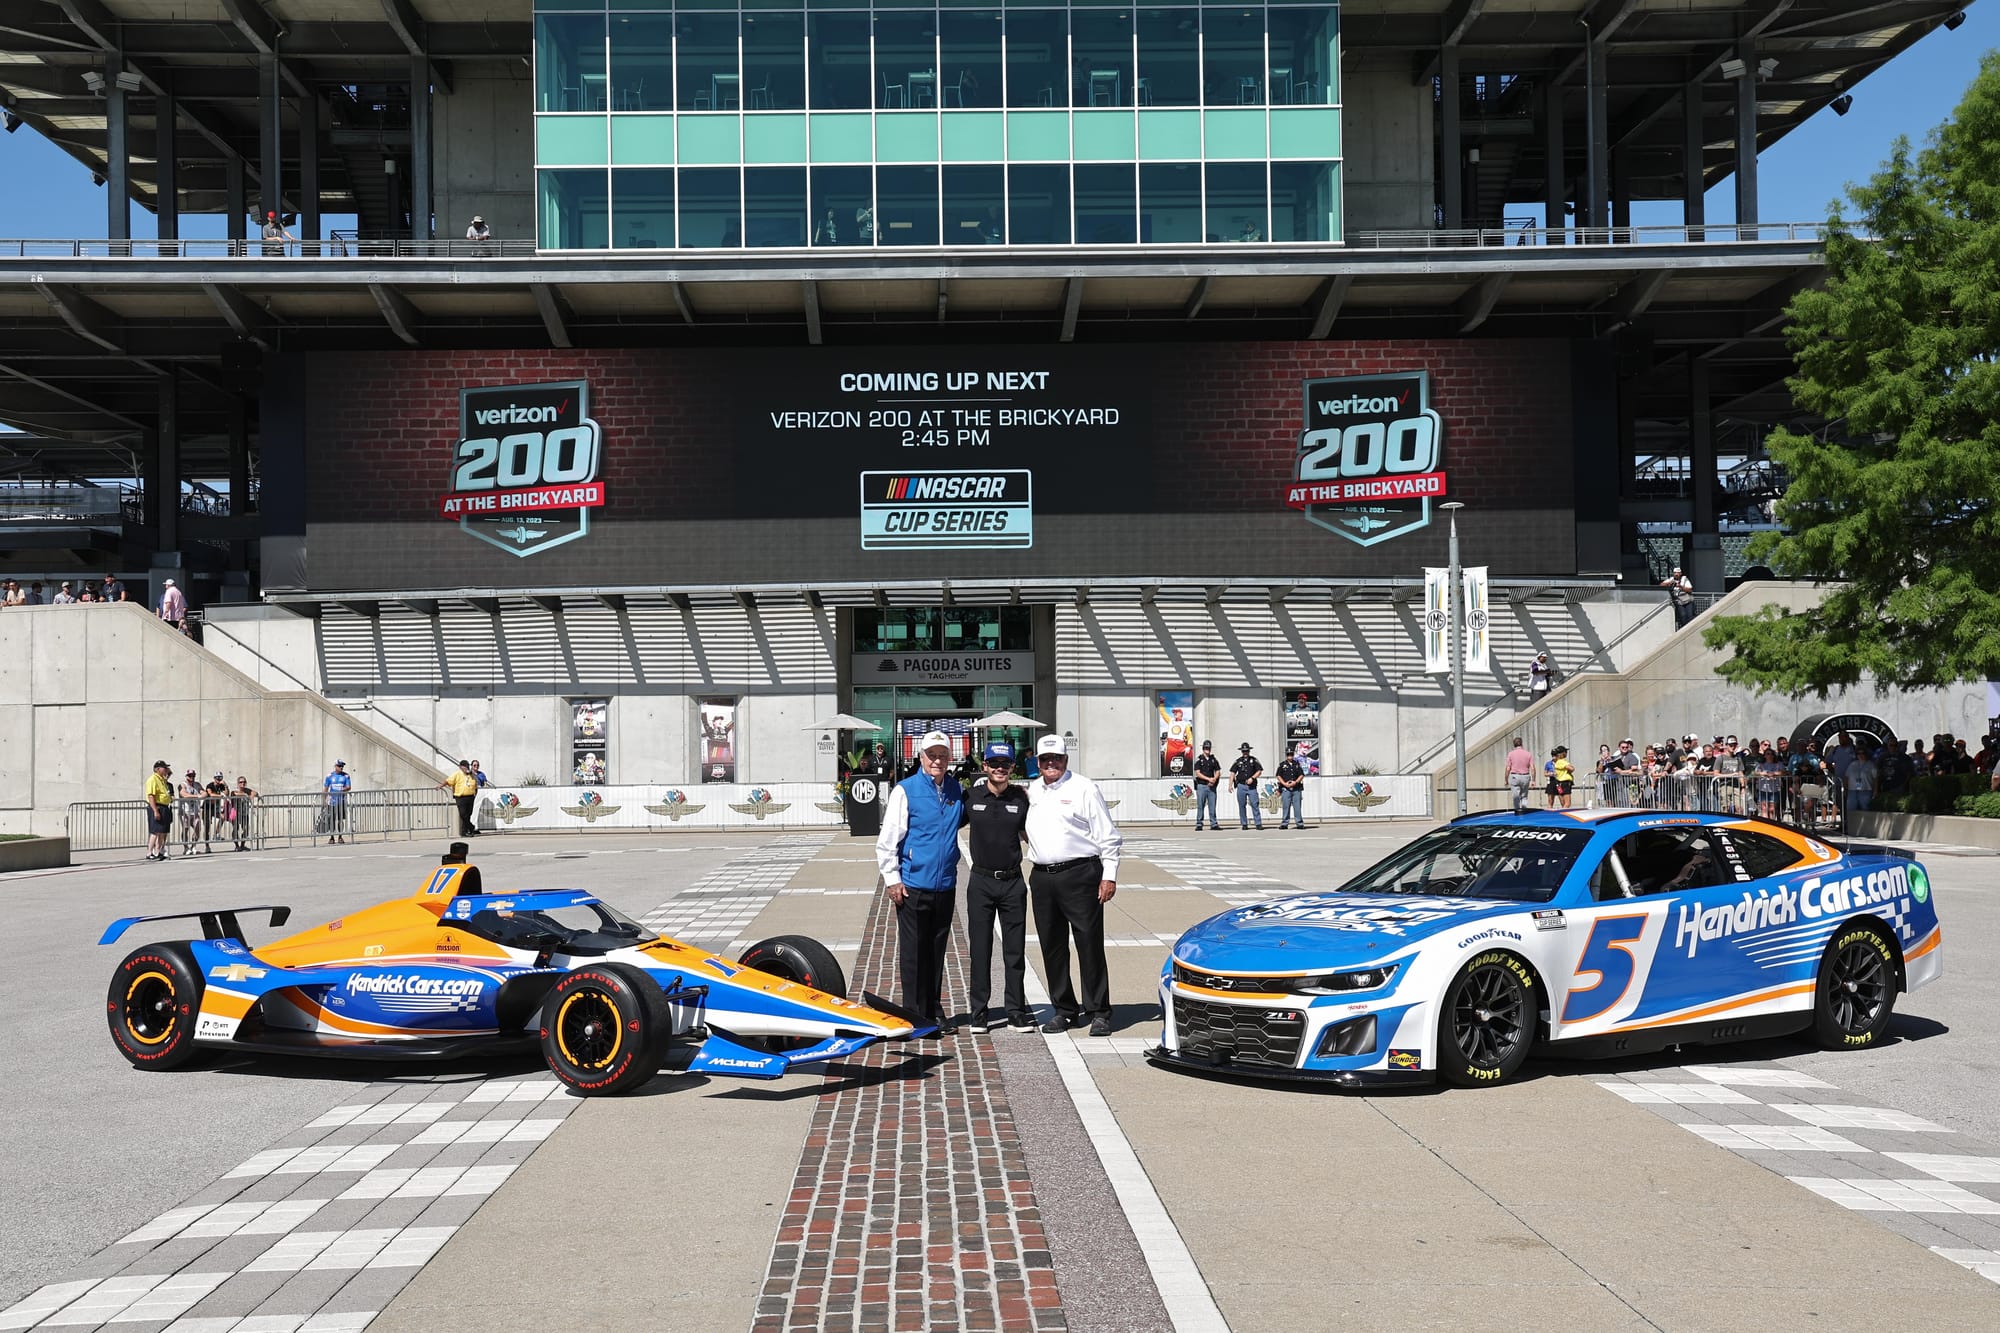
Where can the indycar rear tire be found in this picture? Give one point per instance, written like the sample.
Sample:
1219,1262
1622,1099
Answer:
1487,1021
1855,992
153,1004
605,1029
798,958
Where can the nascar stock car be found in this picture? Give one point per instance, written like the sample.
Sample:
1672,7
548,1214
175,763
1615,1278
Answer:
1585,932
452,970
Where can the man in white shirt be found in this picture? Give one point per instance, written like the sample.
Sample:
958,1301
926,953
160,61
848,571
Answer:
1075,848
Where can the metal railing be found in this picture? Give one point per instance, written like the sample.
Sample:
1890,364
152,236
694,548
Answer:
1820,806
284,819
348,246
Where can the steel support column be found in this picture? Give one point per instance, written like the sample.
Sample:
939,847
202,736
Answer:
309,219
238,206
117,154
239,475
1704,557
1746,140
166,170
163,480
420,148
1555,188
1451,146
1597,132
1694,197
270,141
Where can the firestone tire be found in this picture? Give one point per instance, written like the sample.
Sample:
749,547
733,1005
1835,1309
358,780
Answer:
153,1004
798,958
1487,1021
605,1029
1855,993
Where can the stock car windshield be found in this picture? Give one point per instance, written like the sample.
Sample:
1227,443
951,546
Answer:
581,928
1506,861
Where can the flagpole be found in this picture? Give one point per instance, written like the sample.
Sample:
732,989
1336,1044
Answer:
1451,507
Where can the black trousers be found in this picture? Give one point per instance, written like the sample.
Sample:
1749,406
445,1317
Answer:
1007,899
923,935
1066,906
465,824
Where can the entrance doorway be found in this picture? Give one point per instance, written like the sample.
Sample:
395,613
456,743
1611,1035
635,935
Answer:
906,713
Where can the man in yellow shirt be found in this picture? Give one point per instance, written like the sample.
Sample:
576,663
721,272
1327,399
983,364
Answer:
159,811
464,789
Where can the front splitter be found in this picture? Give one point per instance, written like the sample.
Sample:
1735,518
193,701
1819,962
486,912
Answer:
1339,1078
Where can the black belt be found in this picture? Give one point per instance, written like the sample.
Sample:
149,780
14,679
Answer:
991,873
1055,866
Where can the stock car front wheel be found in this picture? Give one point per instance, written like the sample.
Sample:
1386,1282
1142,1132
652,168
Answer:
153,1004
1486,1025
605,1029
1856,990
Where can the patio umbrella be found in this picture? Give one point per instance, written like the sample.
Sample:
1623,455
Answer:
843,722
1007,719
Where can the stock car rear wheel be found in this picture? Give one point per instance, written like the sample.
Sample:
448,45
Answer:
152,1006
605,1029
1856,990
798,958
1487,1022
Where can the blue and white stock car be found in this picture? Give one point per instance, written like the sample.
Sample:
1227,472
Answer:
1590,933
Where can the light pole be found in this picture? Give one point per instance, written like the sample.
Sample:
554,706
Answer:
1451,507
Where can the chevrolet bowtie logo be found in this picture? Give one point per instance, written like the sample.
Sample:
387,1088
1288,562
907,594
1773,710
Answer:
236,972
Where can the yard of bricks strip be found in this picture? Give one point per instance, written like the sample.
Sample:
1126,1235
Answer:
912,1207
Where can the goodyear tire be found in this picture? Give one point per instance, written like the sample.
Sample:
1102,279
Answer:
1856,990
1487,1021
605,1029
152,1006
798,958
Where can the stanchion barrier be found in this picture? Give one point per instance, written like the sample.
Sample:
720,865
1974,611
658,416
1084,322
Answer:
281,819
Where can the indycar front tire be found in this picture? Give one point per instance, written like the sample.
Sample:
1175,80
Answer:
798,958
605,1029
153,1004
1487,1021
1855,992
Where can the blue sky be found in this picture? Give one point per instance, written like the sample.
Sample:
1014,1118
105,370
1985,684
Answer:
51,196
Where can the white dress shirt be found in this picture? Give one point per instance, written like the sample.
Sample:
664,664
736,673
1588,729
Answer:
1068,820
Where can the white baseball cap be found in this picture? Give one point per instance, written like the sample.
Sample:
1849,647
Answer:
1051,745
934,740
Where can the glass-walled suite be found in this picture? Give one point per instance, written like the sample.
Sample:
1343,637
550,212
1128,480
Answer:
788,123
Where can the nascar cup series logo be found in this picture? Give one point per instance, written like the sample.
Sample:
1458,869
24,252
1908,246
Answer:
1368,461
525,474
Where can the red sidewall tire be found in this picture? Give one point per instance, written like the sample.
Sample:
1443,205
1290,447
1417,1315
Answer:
605,1029
153,1005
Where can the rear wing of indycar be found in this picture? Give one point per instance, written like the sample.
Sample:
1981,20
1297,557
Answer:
216,924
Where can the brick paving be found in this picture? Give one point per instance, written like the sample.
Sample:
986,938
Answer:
912,1207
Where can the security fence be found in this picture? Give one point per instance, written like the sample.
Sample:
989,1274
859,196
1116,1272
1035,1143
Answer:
284,819
1814,805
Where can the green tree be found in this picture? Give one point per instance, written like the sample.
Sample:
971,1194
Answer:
1897,501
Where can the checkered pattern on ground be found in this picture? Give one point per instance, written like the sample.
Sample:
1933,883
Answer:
1918,1178
912,1207
714,910
320,1230
1200,869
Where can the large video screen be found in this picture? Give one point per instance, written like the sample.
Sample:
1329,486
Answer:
818,465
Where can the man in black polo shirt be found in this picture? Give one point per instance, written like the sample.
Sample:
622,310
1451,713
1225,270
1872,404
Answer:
996,815
1244,774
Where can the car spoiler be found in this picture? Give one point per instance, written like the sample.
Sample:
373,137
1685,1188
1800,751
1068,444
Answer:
1852,848
216,924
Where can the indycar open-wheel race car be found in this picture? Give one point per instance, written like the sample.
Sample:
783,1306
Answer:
1587,933
452,970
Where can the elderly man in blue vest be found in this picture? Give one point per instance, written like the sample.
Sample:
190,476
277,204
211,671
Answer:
917,853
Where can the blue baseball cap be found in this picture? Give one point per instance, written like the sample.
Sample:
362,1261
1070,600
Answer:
1000,750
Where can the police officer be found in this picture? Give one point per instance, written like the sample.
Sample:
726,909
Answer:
1207,782
1244,774
996,817
1291,793
917,853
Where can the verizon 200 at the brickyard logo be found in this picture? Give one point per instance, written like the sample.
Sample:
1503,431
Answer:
524,475
1370,455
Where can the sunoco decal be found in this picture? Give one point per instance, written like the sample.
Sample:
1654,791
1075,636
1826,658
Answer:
524,476
1368,462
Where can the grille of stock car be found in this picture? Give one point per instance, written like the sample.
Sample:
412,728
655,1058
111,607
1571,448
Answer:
1188,976
1247,1036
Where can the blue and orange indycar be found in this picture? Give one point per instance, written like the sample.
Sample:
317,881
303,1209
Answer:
452,970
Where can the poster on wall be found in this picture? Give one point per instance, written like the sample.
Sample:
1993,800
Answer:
589,742
718,739
1176,710
1302,729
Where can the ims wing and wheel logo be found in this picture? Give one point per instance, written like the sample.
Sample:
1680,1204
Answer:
524,476
1369,458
